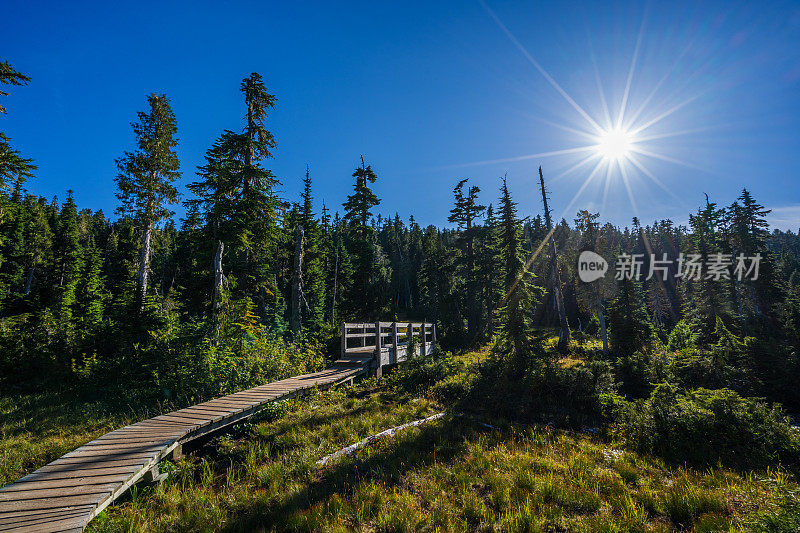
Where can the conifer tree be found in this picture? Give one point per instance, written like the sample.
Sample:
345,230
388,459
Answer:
357,208
38,239
69,257
464,213
12,229
595,293
490,270
707,301
12,165
215,202
146,178
630,325
313,260
361,243
748,231
516,339
257,207
91,294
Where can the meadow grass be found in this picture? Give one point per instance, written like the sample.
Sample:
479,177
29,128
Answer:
37,427
458,473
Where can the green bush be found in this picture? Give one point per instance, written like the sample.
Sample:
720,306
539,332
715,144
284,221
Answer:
722,364
575,396
683,335
419,374
705,426
640,371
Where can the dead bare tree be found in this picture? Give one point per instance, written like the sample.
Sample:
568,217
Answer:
563,336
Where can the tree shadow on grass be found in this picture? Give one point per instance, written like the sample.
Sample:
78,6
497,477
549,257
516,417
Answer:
443,441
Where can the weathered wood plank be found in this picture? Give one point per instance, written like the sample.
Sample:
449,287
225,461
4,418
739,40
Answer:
48,492
68,482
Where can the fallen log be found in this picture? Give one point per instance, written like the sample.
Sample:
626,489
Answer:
347,450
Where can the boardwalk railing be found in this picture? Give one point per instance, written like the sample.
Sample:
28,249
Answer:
380,344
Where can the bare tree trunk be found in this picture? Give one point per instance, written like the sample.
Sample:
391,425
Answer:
219,276
601,316
29,281
299,303
563,336
144,263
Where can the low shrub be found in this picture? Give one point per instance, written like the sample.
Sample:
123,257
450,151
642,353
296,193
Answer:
420,374
638,372
575,396
705,426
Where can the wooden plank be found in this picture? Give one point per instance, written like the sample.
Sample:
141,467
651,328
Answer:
357,325
360,335
94,462
21,517
213,411
118,451
199,419
166,425
51,503
132,438
233,405
208,410
266,393
48,492
43,512
149,428
141,441
115,480
118,471
43,522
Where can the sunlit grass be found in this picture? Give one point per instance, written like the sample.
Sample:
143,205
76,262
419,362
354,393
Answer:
455,474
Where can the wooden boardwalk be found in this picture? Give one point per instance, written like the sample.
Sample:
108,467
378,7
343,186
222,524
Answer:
67,493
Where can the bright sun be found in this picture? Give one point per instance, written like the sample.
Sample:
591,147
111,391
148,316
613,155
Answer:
615,144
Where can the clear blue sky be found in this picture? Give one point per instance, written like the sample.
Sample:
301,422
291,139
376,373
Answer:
425,90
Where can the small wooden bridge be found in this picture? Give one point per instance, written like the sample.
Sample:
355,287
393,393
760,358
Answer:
382,344
66,494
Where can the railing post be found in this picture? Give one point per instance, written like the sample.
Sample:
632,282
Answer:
409,341
379,370
344,338
433,333
394,341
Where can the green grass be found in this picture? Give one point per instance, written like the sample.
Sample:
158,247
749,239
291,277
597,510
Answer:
453,474
458,473
39,427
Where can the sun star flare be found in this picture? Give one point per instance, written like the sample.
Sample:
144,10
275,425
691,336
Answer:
615,144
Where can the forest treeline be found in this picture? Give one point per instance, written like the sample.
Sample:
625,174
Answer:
249,285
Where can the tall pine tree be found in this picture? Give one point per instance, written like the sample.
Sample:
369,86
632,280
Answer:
146,178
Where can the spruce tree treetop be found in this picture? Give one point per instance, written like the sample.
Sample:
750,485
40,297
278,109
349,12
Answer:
146,175
258,141
358,205
13,167
307,213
